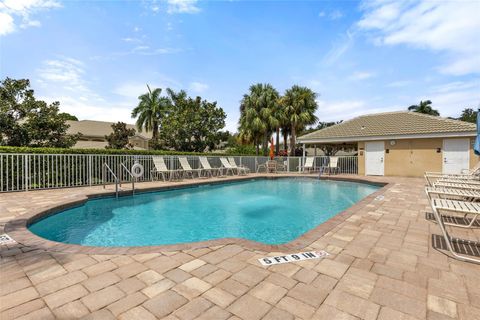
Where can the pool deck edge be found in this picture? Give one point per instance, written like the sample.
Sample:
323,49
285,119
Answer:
17,228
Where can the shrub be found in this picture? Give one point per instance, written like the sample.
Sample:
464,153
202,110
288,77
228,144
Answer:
106,151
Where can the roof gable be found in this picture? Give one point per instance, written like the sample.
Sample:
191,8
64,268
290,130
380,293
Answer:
391,124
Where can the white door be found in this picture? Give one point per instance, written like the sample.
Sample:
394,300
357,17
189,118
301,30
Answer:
456,155
374,155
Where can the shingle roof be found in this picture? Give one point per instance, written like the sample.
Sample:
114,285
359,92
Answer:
390,124
92,128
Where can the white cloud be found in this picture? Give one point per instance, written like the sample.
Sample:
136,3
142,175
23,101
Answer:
335,14
336,110
64,72
6,24
451,98
332,15
182,6
91,109
450,27
198,87
147,51
128,39
131,90
339,48
20,12
399,83
361,75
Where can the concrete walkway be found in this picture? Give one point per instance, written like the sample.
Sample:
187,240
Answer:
382,266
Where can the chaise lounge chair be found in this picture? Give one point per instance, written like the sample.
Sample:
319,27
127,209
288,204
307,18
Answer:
228,167
470,174
456,185
208,169
160,168
308,165
461,207
454,194
187,169
232,162
333,166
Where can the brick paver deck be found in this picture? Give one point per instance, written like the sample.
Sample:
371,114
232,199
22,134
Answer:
382,266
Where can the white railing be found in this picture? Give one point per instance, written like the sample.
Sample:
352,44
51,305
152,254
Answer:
23,172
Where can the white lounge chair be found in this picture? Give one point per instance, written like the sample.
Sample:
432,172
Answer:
281,165
463,203
227,166
243,168
308,165
456,180
333,165
207,168
454,194
261,166
456,185
160,168
469,174
187,169
462,207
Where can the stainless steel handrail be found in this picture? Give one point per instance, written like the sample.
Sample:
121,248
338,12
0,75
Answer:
131,176
105,165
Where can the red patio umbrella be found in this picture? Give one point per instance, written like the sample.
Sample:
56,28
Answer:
272,150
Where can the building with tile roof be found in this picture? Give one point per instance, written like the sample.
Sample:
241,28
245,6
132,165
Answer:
94,132
403,143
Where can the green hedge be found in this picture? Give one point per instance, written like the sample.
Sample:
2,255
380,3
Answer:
107,151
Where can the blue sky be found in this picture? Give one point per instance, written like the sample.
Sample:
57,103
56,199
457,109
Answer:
96,57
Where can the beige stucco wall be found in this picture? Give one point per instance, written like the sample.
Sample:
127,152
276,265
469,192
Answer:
411,157
361,158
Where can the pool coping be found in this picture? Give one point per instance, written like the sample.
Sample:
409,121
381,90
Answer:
17,228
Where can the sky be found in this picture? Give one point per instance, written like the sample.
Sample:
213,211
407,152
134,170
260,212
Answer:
96,57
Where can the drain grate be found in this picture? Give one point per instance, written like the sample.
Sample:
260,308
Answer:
5,239
469,248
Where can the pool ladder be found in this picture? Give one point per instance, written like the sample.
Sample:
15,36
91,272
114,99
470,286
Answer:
118,182
106,167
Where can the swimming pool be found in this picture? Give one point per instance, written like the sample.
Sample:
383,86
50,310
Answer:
270,211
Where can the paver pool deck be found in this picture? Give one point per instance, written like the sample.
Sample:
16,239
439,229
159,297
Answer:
381,266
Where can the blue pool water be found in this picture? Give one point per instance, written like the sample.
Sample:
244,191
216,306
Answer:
268,211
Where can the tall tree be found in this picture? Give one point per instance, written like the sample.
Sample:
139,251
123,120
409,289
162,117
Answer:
259,114
468,115
192,124
299,106
119,138
25,121
424,107
150,110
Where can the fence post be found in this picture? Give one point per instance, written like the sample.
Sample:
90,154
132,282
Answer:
90,170
25,168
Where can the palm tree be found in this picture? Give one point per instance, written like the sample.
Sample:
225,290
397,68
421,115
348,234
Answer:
299,105
150,110
258,114
424,107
